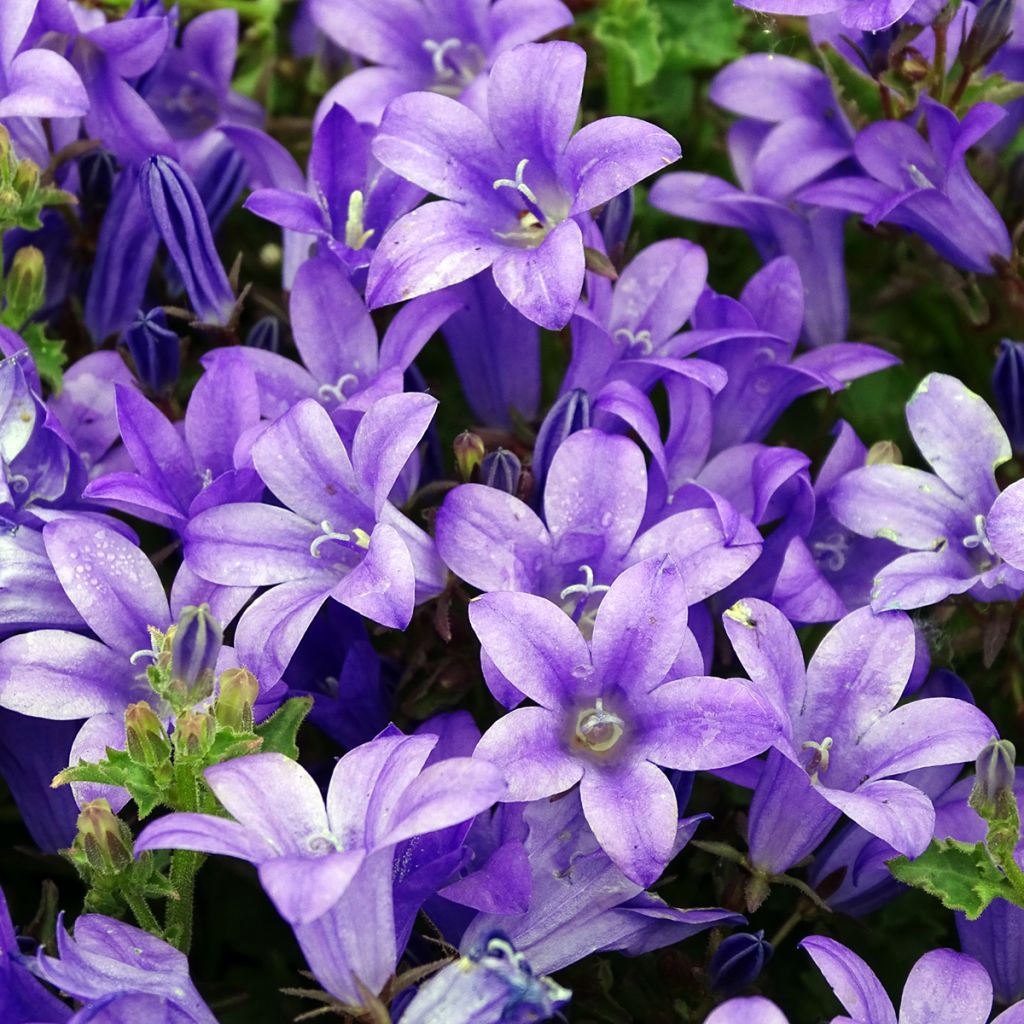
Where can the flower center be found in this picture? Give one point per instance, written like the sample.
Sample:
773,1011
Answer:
831,552
455,63
337,389
597,728
980,537
819,757
530,200
323,843
357,540
581,593
355,235
634,344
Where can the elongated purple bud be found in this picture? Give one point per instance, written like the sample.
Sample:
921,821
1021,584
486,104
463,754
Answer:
995,773
1008,385
501,469
177,212
992,27
155,350
265,334
198,638
615,222
568,415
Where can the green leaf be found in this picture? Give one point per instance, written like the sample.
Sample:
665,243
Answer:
629,30
701,36
48,355
858,94
961,875
118,769
228,743
281,728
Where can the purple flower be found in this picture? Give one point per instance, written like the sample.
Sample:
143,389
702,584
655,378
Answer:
328,869
942,516
791,134
845,743
610,712
747,1010
862,15
580,903
336,536
513,188
943,987
441,46
109,959
925,186
349,201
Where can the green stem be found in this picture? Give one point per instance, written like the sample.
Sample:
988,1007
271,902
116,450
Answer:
184,865
620,82
143,915
939,66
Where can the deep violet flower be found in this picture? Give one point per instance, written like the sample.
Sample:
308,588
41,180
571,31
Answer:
512,188
609,712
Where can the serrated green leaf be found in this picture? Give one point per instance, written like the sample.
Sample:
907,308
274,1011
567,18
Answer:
48,355
857,94
281,728
228,744
961,875
118,769
630,30
701,36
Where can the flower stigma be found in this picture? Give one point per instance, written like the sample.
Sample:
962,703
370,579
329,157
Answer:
597,728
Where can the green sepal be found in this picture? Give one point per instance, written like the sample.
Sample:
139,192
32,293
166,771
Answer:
228,743
146,786
858,95
280,730
961,875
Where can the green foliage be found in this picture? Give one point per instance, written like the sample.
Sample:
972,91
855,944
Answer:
278,733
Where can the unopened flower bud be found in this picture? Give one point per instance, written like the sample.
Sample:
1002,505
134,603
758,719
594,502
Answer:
155,350
1008,385
615,222
5,147
236,695
994,777
194,651
738,961
992,27
568,415
26,178
145,735
501,470
265,334
25,289
103,838
884,453
194,732
469,453
97,171
912,65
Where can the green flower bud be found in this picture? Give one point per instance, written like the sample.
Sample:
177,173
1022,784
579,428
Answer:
103,839
236,695
194,733
884,453
147,739
26,282
26,179
469,453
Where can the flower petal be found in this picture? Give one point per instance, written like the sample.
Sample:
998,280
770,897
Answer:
205,833
383,585
894,811
305,888
853,982
944,987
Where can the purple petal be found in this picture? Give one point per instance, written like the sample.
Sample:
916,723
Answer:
414,325
282,382
772,87
491,539
1005,525
528,747
702,723
385,440
747,1010
535,645
640,625
250,545
894,811
206,833
383,585
273,797
633,811
52,674
611,155
853,982
960,436
294,211
109,580
90,744
944,987
41,83
305,888
522,21
921,579
435,246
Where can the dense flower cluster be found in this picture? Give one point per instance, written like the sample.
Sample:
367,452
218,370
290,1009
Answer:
474,720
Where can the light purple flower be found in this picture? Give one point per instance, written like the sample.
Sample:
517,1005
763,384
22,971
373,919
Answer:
863,15
942,516
337,535
513,188
845,743
611,711
328,868
747,1010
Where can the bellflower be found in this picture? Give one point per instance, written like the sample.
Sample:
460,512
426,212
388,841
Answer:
35,82
336,536
580,902
943,987
595,496
941,517
349,201
512,188
610,712
1006,521
747,1010
107,959
341,364
845,743
791,133
925,186
862,15
178,473
491,984
328,869
442,46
